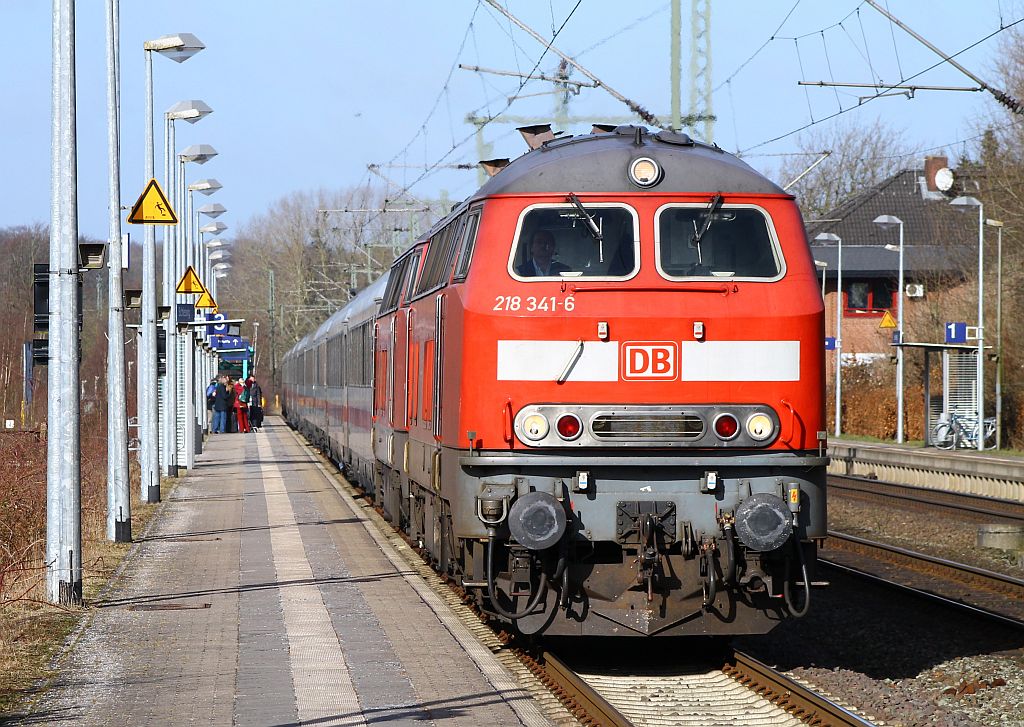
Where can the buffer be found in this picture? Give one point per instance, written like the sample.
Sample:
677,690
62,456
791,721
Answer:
190,283
152,207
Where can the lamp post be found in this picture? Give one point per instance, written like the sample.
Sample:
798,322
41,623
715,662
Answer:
202,363
190,111
822,266
999,330
887,222
197,154
178,48
832,237
964,203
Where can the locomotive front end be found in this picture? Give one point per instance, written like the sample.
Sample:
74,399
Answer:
642,393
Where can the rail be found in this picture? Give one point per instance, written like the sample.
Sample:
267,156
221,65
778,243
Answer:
978,507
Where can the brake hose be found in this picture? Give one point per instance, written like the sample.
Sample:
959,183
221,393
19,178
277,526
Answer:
538,595
807,585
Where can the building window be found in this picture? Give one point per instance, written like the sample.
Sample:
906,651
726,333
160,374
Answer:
868,297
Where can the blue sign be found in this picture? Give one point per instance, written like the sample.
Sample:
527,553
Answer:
956,332
830,343
896,338
185,312
220,343
217,328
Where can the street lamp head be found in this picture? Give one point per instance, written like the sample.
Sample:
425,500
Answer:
962,203
217,242
892,248
179,47
190,111
198,153
206,186
994,223
220,254
828,237
214,228
213,210
222,266
820,264
888,222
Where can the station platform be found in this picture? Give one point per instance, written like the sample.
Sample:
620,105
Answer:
989,473
262,595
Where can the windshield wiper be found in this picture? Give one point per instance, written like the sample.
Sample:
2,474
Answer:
709,215
592,227
699,268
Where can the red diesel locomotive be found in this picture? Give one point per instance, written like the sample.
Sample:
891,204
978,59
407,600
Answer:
593,393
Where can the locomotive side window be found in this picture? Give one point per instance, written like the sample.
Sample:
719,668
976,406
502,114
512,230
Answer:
715,240
593,240
437,266
465,253
414,269
392,292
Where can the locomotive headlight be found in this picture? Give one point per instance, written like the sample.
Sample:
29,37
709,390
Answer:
535,427
760,427
644,172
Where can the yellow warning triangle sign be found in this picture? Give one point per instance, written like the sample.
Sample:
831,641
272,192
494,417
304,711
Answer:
887,321
190,282
152,207
206,301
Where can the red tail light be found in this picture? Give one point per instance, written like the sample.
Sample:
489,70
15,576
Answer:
568,426
726,426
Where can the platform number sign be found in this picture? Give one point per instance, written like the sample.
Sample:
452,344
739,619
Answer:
956,332
830,343
216,328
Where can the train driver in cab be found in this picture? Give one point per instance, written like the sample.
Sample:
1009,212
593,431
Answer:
541,262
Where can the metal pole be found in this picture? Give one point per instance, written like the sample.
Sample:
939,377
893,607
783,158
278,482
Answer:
674,70
149,432
189,359
981,328
899,350
119,509
999,338
63,458
839,336
170,412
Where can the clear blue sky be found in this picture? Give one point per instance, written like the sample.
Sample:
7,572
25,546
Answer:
307,93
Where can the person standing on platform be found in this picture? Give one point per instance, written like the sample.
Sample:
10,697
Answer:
211,394
255,403
242,407
223,402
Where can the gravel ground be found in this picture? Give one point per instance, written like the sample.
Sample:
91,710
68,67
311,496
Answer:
895,658
937,535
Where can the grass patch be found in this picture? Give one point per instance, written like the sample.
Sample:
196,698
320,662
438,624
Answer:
32,631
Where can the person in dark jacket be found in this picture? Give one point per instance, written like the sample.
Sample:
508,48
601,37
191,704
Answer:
223,403
255,403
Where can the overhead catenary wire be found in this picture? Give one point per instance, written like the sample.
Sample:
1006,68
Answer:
882,92
431,167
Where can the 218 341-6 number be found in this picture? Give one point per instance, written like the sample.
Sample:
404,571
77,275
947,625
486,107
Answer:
533,304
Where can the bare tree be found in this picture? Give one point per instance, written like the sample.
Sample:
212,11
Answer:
862,156
321,247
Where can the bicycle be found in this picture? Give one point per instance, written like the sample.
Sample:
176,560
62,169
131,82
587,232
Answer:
956,431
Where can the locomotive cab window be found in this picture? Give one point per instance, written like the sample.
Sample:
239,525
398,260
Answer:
569,241
713,240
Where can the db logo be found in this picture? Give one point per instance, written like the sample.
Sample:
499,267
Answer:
649,361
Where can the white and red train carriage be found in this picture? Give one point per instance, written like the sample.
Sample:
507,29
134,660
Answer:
622,437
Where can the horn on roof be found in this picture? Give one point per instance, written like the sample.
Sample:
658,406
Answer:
536,135
603,128
493,166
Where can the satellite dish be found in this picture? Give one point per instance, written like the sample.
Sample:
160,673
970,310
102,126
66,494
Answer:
944,179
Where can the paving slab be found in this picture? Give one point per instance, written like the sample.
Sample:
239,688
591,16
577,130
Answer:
261,597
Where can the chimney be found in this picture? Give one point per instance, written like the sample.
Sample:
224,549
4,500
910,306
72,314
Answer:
931,166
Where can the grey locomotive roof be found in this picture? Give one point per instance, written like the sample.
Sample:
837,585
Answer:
601,161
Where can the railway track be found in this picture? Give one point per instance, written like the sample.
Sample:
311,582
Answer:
994,595
738,685
974,507
712,693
